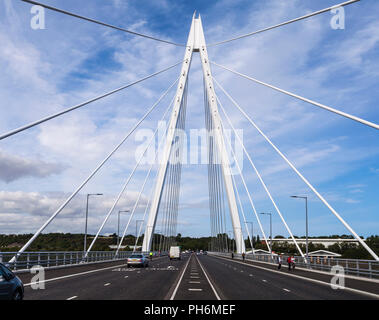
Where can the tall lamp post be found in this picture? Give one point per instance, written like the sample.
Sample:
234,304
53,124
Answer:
85,230
270,228
118,226
306,222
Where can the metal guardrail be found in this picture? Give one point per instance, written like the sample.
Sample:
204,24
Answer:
61,258
353,267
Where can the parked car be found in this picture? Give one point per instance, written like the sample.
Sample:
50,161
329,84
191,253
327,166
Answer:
11,287
138,260
174,253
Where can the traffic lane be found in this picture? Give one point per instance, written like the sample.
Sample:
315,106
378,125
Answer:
362,284
26,277
194,284
247,282
232,284
96,285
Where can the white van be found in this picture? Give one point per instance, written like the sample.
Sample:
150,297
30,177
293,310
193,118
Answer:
174,253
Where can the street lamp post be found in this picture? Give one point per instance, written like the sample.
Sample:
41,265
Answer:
270,227
306,222
85,230
118,226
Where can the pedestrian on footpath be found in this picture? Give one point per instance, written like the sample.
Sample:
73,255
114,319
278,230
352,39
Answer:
293,262
243,256
151,255
289,261
279,261
232,255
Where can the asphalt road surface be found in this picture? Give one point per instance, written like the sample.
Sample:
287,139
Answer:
194,277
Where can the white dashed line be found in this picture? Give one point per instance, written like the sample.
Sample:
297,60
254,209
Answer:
286,290
107,284
72,298
195,289
193,281
250,275
126,277
264,280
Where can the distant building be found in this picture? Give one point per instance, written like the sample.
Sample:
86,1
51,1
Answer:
324,241
131,247
324,254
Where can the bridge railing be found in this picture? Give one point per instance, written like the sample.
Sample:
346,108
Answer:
353,267
60,258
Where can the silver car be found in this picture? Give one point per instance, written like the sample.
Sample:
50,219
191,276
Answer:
11,287
137,260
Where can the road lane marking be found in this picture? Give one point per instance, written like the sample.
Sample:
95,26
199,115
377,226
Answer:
126,277
73,275
79,274
286,290
195,277
264,280
72,298
191,289
107,284
372,295
214,290
250,275
193,281
180,279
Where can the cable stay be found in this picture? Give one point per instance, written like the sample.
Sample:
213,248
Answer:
101,23
261,180
152,139
32,124
373,254
285,23
317,104
143,186
243,213
248,193
91,175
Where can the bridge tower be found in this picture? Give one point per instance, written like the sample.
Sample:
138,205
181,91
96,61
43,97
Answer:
195,43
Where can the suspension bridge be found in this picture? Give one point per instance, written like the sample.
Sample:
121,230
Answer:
213,276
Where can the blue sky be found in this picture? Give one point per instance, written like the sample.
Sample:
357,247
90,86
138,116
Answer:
70,61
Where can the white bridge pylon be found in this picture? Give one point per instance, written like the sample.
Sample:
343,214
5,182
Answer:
195,43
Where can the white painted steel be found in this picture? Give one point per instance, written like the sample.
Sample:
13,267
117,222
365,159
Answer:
219,138
317,104
152,218
373,254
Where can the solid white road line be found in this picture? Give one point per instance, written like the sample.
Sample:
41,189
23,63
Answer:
74,275
373,295
72,298
180,280
77,274
214,290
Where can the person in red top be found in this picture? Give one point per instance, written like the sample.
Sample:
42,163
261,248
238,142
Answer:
289,261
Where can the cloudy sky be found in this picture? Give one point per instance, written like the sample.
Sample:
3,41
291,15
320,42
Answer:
44,71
